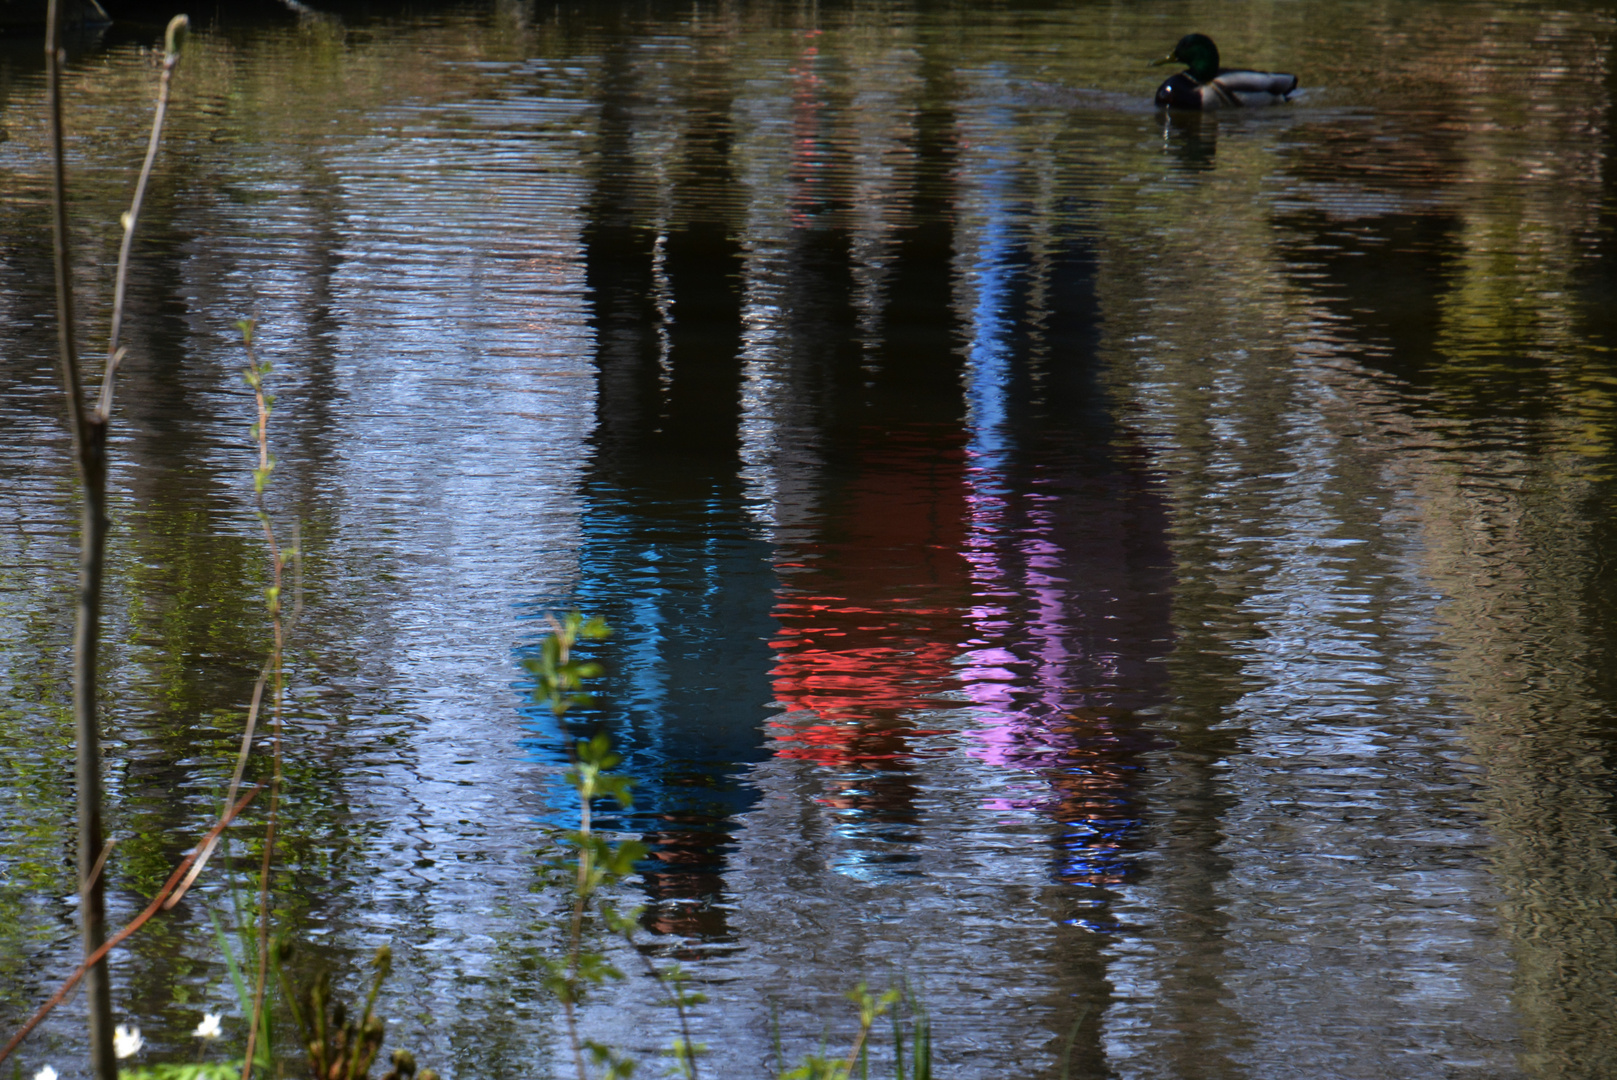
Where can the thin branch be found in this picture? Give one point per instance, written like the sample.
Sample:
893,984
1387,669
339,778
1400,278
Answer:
235,779
252,711
263,939
581,892
134,924
101,860
252,715
676,994
131,217
89,435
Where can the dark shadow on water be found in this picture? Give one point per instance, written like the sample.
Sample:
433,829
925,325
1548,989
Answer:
669,557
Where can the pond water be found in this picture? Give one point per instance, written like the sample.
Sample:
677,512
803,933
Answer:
1149,581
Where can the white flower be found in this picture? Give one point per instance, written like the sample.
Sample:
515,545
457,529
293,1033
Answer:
209,1028
47,1073
126,1041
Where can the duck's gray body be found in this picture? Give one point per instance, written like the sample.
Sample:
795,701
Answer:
1206,86
1226,90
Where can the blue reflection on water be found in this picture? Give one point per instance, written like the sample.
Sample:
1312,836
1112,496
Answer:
687,591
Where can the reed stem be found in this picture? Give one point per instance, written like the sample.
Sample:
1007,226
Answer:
278,560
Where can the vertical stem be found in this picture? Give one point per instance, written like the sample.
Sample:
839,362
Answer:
66,350
690,1070
676,994
581,887
858,1044
87,734
581,896
277,568
90,448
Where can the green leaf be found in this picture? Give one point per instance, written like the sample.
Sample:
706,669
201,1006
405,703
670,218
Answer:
212,1070
558,678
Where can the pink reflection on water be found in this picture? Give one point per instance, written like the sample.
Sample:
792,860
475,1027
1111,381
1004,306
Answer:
1044,675
930,586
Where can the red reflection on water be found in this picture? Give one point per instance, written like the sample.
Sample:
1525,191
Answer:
932,583
870,613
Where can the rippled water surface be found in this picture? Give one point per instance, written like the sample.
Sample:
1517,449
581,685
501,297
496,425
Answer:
1149,581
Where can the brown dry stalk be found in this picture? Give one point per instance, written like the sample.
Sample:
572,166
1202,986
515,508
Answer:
89,433
134,924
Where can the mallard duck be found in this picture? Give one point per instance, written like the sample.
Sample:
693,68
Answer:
1204,85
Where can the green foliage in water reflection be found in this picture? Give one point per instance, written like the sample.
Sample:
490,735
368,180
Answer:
559,678
589,864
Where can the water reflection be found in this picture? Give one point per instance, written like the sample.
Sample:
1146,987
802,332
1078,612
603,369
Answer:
868,605
1191,139
1141,576
668,556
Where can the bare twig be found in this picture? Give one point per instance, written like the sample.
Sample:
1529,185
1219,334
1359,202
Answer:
674,985
131,217
235,779
101,860
581,893
252,714
95,958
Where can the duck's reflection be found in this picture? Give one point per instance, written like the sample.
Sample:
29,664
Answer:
1190,138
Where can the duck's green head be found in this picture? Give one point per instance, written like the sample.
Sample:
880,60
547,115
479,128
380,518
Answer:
1199,55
